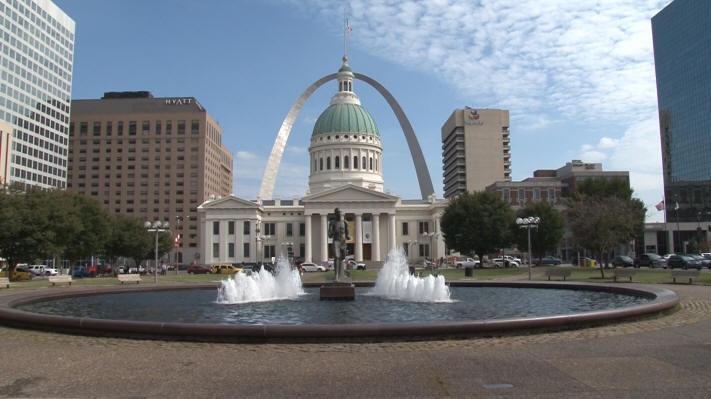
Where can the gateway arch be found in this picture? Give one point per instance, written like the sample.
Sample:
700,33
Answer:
270,173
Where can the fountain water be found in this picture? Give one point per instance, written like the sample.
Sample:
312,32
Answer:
285,283
394,281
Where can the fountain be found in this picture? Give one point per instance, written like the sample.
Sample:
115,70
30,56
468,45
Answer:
263,306
394,281
262,286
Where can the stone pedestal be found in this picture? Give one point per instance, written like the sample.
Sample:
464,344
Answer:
338,291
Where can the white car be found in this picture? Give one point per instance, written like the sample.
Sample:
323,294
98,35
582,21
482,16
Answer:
37,270
312,267
359,266
50,271
466,262
502,262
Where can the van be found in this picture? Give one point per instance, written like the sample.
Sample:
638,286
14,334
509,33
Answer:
37,270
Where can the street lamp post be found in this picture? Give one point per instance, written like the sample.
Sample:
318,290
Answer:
156,227
431,235
528,223
178,243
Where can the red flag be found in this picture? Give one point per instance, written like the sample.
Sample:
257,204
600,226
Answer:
660,206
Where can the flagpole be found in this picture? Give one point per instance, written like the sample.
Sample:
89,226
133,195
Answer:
344,33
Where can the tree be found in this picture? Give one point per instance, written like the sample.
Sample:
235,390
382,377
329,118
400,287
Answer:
549,233
25,232
602,223
477,223
603,187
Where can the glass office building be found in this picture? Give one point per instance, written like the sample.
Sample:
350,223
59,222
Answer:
36,58
682,56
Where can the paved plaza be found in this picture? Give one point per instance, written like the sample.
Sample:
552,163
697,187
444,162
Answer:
655,358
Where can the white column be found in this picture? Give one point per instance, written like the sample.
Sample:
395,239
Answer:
392,230
324,238
307,243
358,237
376,237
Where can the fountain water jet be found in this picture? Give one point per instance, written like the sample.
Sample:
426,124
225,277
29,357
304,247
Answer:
395,281
263,286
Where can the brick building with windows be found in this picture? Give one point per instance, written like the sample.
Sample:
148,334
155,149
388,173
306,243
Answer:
153,158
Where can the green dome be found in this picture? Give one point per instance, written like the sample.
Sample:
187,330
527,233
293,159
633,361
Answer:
345,118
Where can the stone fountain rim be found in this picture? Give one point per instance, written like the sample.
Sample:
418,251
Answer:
662,300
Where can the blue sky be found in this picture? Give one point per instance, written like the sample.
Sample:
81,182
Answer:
577,77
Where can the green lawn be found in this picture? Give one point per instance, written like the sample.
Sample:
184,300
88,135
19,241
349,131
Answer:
653,276
647,276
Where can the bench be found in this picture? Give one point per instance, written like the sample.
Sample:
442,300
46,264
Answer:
5,281
558,272
129,278
690,274
623,272
64,278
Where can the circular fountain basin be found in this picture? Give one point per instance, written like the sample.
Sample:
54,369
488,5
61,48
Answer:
189,312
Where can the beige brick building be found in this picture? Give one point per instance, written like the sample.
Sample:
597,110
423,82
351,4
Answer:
476,150
154,158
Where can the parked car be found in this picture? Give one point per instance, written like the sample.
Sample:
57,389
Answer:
80,271
705,262
312,267
198,269
466,262
506,262
21,273
650,260
36,270
513,258
622,261
547,260
50,271
224,269
683,261
140,269
359,266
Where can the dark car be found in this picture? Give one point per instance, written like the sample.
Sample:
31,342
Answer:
81,271
547,260
622,261
683,261
650,260
198,269
705,262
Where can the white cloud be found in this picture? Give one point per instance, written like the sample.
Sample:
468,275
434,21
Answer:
568,61
607,143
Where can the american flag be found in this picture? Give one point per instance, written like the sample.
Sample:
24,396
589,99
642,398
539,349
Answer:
348,26
660,206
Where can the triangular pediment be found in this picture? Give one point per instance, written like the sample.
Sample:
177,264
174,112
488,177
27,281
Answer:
229,202
350,193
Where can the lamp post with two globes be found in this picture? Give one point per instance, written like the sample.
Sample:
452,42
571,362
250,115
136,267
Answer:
157,227
528,223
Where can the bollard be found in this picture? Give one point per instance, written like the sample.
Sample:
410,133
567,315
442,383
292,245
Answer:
468,272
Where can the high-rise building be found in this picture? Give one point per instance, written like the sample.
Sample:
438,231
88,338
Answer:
36,83
475,150
154,158
682,39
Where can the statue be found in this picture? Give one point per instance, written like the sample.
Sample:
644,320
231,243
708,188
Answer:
338,232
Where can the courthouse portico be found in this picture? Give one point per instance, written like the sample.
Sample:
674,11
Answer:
378,222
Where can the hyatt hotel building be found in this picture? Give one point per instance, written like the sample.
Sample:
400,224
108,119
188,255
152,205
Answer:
152,158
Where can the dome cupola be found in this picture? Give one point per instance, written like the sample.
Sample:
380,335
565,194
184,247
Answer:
345,142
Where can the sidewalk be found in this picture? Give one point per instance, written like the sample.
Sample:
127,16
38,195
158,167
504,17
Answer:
657,358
